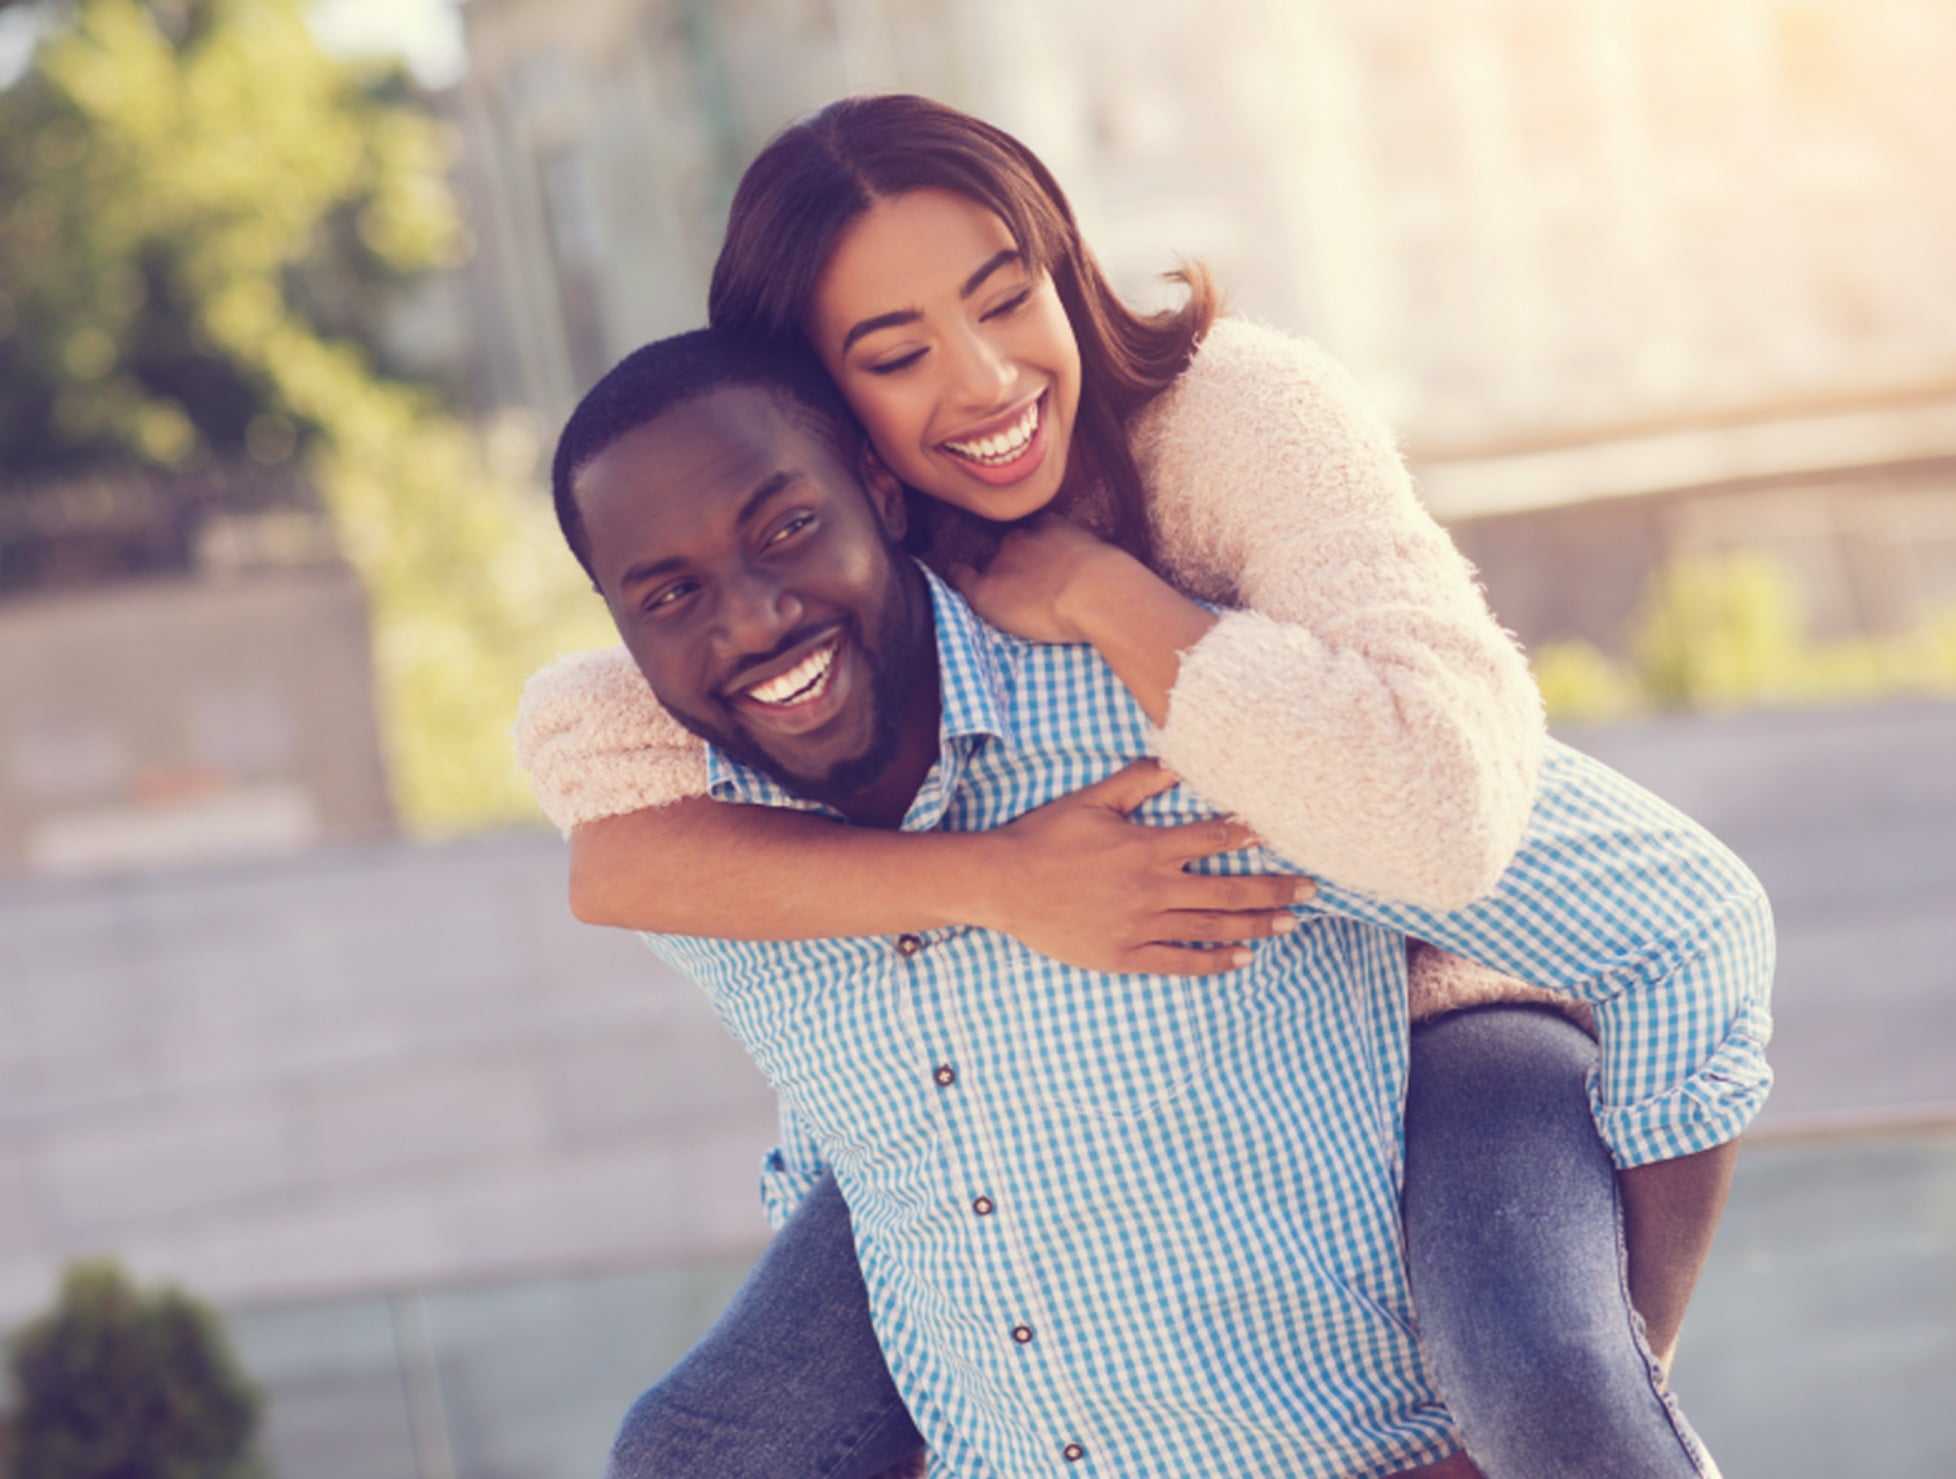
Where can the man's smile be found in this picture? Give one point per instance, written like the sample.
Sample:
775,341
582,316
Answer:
801,690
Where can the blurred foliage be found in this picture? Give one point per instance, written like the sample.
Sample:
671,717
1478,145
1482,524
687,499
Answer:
200,214
119,1382
1729,632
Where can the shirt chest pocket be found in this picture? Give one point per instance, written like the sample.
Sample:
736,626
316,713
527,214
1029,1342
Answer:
1110,1047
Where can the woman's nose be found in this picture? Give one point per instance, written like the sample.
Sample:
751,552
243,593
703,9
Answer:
984,374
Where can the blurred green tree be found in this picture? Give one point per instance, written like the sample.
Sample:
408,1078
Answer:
1719,632
1728,631
138,1385
201,213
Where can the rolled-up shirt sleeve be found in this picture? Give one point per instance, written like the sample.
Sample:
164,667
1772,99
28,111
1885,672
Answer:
1620,900
790,1171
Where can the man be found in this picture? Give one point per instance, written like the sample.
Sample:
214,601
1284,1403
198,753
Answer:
1143,1225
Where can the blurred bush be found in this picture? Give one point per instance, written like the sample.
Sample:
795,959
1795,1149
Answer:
116,1383
202,219
1729,632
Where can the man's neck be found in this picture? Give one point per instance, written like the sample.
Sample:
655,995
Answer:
887,801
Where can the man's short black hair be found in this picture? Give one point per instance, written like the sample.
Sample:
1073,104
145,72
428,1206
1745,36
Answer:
655,378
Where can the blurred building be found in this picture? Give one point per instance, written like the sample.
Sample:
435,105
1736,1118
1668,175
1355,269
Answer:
1586,252
188,662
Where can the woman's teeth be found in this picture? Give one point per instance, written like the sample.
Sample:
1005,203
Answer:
787,687
1004,446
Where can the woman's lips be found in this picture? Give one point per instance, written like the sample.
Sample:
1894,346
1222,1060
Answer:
1024,465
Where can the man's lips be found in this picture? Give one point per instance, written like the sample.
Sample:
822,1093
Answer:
809,685
760,674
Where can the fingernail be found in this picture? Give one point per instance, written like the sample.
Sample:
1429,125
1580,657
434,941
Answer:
1283,926
1305,889
1240,957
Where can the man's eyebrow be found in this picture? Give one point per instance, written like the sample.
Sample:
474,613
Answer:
646,570
770,485
910,315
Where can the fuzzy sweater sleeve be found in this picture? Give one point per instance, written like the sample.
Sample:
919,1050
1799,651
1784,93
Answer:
1363,710
595,742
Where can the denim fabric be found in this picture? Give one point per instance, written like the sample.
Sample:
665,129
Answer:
1514,1244
788,1383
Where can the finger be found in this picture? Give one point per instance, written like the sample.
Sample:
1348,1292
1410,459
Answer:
1241,892
1227,924
1187,960
1129,786
1193,840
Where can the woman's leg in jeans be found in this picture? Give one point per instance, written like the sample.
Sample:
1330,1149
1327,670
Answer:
789,1382
1514,1243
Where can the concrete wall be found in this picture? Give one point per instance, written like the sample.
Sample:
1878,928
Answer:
375,1067
388,1066
1870,552
175,719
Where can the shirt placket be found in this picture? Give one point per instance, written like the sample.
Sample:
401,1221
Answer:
929,968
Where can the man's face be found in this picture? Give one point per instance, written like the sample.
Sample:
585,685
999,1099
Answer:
753,579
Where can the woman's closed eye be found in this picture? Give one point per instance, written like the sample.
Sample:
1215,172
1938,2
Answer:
901,362
1010,306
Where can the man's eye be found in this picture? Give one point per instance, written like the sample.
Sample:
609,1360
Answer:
790,528
668,596
1011,305
902,362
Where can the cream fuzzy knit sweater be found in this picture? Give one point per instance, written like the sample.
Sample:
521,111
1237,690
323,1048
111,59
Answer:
1361,708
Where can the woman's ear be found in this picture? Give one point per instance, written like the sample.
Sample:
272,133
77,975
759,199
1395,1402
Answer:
886,494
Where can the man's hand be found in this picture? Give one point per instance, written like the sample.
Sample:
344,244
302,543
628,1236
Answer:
1081,882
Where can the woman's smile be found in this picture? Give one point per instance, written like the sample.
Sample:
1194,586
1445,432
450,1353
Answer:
1008,450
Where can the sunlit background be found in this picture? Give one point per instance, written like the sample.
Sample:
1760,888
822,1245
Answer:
1658,294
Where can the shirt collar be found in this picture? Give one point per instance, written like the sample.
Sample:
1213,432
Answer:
974,662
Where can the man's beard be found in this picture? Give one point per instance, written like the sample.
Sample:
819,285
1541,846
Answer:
899,662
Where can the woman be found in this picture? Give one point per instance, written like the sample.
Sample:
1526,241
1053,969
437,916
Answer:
1086,471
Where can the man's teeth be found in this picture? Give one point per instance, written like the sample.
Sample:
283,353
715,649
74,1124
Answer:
789,685
1002,446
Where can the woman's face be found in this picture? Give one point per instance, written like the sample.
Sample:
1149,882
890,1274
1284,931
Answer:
958,360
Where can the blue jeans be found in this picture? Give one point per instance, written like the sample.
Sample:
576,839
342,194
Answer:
1513,1240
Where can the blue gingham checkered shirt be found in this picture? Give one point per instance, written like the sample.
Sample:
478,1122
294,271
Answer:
1149,1226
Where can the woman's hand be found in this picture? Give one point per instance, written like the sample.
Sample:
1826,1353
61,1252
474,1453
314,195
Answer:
1052,581
1044,573
1081,882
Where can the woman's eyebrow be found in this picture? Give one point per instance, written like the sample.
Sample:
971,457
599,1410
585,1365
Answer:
910,315
881,321
992,264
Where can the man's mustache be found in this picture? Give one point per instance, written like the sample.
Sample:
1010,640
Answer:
787,644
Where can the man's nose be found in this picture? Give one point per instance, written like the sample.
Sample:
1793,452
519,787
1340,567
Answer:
756,612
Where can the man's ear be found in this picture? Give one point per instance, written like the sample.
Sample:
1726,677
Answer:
886,494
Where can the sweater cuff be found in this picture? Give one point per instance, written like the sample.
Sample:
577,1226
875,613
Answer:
1711,1106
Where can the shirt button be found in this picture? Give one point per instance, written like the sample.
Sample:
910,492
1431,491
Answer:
1022,1334
908,945
1073,1453
946,1075
982,1206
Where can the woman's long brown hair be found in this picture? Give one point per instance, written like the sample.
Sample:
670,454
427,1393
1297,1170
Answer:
818,175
